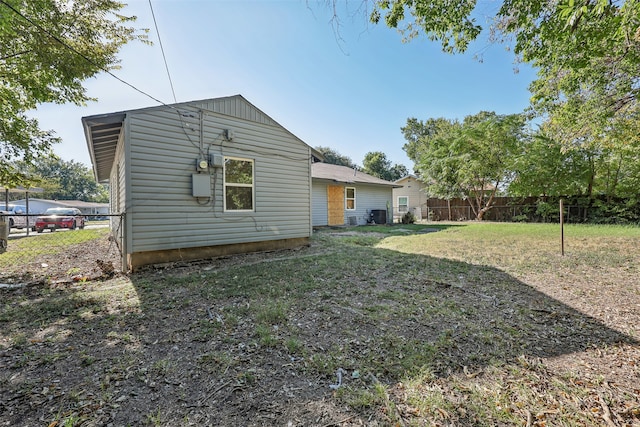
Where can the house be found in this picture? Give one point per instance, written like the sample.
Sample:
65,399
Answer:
201,179
342,195
412,196
38,206
409,196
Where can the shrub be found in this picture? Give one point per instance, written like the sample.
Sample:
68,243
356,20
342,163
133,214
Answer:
408,218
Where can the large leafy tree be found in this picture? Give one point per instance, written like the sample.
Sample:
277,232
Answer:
547,169
471,159
47,49
375,163
67,180
587,53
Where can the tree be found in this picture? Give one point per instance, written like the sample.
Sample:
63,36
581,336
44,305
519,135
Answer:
587,53
416,132
547,169
375,163
47,49
62,180
472,159
331,156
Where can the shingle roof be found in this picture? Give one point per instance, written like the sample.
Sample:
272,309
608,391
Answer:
346,175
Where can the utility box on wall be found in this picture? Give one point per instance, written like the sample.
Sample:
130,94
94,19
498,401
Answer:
216,160
201,185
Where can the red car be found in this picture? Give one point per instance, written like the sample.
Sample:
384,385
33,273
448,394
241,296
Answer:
54,218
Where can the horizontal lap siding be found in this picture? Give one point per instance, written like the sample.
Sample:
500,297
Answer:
163,153
412,188
369,197
319,208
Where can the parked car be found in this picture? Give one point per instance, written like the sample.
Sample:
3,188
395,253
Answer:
54,218
18,217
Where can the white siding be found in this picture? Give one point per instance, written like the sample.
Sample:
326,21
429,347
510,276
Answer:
370,197
319,208
164,145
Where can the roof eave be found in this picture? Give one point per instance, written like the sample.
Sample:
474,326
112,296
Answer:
102,133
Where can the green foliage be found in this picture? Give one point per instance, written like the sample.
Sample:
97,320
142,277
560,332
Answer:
586,53
375,163
548,168
62,180
442,20
332,157
625,211
547,211
416,132
408,218
469,159
47,49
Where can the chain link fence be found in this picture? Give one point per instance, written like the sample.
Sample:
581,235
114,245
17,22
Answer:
90,250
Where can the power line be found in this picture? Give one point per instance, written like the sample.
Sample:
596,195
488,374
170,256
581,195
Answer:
89,60
166,66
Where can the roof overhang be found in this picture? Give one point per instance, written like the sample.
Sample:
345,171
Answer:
102,133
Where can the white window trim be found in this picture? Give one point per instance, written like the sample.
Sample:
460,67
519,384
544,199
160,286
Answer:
400,206
348,198
252,185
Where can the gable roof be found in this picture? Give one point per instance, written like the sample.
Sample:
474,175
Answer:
406,177
102,131
346,175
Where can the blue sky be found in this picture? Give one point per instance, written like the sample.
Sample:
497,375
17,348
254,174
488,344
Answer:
351,92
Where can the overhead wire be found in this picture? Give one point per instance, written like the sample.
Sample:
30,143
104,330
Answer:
164,57
104,69
86,58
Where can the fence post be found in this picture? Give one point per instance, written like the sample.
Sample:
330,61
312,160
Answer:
562,225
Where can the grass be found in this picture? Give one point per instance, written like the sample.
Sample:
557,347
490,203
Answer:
26,250
524,247
476,324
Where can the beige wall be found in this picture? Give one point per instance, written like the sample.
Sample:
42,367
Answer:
411,188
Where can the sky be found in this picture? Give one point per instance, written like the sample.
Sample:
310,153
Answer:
349,87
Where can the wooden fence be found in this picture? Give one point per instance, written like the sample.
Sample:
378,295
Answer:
505,209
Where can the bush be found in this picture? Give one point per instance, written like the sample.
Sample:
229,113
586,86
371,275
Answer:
614,212
408,218
547,211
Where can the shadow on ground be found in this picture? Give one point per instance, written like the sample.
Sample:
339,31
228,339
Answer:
258,339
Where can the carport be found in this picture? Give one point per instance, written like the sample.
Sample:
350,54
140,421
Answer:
26,191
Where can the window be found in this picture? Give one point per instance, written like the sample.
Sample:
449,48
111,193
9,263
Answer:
350,198
403,203
238,184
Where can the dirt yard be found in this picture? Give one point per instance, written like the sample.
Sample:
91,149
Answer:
336,334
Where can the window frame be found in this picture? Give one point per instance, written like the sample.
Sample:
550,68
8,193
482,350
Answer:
346,199
225,184
406,206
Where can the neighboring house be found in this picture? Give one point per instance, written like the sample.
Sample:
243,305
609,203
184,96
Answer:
201,179
38,206
409,196
342,195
